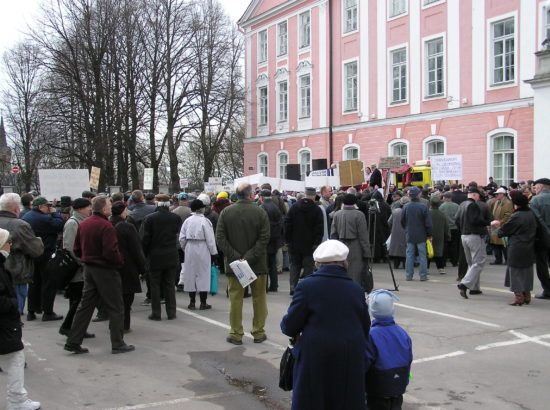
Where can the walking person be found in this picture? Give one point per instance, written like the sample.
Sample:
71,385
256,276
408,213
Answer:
501,208
198,242
12,357
540,205
243,233
97,246
275,237
449,209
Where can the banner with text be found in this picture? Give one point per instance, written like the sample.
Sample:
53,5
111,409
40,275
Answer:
446,167
94,178
148,178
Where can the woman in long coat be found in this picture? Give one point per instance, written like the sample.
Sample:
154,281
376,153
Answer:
382,228
130,247
440,234
329,313
398,242
521,231
349,226
199,244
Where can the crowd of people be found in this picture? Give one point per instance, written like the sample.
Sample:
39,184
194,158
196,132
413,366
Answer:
172,243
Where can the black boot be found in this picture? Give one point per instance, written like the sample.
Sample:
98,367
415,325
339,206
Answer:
204,305
192,296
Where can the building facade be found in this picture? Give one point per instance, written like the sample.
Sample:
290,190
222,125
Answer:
363,79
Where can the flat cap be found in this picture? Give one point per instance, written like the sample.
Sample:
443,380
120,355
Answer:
331,251
543,181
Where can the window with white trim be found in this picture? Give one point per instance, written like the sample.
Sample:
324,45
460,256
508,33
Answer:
305,164
350,15
397,7
434,68
547,23
283,101
282,38
305,96
399,75
504,51
262,111
435,147
304,30
350,86
351,153
400,149
262,164
503,159
283,162
262,46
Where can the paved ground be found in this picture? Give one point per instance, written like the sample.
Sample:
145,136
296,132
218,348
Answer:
475,353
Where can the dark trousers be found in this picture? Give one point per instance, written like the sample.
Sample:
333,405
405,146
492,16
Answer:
398,260
74,292
128,299
106,284
542,261
272,271
297,262
462,263
452,247
439,262
162,281
500,252
43,290
384,403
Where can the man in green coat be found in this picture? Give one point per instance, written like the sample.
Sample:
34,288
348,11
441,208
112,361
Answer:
243,233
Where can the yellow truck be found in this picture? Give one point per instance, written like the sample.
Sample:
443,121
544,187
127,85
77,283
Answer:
419,174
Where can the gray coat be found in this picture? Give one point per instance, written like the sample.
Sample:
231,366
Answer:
350,227
398,242
440,231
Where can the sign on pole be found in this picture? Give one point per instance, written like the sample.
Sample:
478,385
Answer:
351,172
148,178
15,169
184,183
446,167
94,178
389,162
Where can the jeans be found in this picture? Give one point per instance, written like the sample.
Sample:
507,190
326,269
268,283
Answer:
422,259
21,291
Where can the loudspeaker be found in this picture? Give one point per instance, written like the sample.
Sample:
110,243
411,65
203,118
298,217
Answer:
317,164
293,172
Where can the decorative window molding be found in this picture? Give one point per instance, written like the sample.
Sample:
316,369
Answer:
263,163
282,162
502,155
351,151
399,147
304,159
432,146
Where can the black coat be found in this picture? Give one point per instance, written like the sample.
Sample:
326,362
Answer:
10,321
275,224
521,230
376,178
304,226
134,259
159,233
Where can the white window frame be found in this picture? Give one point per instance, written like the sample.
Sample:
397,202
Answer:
279,164
433,138
301,34
392,15
282,40
491,135
391,51
260,165
491,85
300,97
303,173
282,102
260,106
345,8
345,64
425,72
348,147
399,141
262,47
432,3
544,23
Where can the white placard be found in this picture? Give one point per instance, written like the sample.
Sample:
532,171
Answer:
215,181
148,178
319,173
446,167
319,181
184,183
55,183
243,272
251,179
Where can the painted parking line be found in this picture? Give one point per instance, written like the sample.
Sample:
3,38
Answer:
440,357
178,401
433,312
520,338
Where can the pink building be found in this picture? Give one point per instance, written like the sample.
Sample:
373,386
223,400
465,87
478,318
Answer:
358,79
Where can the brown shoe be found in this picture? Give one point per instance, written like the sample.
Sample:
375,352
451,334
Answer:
462,290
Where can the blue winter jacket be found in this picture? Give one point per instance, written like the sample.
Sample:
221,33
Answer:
46,227
417,221
388,359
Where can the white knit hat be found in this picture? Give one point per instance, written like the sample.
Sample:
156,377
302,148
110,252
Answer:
331,251
205,199
4,236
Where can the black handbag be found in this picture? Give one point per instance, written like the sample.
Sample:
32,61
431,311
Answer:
61,268
286,368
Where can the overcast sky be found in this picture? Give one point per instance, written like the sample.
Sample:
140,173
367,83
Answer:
16,15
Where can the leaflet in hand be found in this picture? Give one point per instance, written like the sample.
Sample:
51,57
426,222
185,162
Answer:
243,272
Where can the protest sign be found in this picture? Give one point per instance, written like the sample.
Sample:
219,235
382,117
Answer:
446,167
55,183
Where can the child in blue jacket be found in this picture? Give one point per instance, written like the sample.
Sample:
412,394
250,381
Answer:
388,355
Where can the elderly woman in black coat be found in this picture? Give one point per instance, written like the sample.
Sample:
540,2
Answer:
134,259
329,315
520,230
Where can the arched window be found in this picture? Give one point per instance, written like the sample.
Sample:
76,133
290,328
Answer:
351,152
262,164
434,146
400,149
503,159
282,159
304,156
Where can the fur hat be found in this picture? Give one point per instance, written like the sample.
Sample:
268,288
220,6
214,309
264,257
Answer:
80,203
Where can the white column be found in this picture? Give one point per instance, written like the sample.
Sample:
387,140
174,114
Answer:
453,52
364,59
415,56
525,67
323,97
479,71
382,58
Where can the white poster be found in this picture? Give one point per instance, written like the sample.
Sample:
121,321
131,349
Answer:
446,167
55,183
148,178
319,181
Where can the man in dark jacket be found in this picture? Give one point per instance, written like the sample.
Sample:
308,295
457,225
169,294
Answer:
159,237
375,178
304,229
417,222
97,246
140,209
275,238
46,223
458,195
540,205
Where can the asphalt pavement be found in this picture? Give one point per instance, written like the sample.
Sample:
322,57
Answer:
478,353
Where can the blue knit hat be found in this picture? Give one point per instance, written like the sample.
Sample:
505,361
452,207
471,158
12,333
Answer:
381,304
